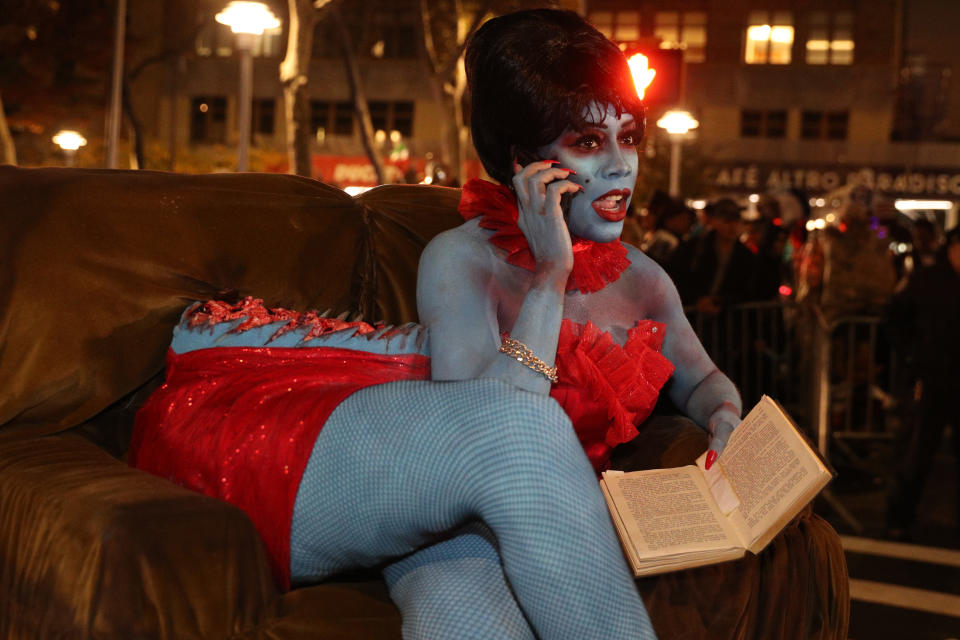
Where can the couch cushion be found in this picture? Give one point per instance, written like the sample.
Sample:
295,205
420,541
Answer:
90,547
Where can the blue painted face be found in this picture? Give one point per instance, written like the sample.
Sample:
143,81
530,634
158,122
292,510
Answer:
604,155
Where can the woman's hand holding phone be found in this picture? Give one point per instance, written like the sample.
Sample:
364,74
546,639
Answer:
539,186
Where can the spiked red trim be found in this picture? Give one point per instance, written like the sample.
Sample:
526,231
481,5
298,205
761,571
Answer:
595,264
255,314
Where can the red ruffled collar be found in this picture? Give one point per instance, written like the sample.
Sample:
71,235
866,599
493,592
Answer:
595,264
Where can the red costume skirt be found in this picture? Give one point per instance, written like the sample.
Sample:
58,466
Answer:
239,423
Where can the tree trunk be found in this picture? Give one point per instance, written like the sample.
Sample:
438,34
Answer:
9,155
176,68
136,128
359,95
447,77
294,77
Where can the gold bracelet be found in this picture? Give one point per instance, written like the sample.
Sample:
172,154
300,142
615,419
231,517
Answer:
522,354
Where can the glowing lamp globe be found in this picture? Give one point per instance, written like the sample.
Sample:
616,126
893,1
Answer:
243,16
69,140
677,122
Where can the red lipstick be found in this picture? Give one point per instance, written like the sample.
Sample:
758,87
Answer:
612,206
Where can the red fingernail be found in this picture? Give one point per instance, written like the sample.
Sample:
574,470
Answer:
580,186
567,170
552,161
711,458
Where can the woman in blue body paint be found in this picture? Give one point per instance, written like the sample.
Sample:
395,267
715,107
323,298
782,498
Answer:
548,338
547,85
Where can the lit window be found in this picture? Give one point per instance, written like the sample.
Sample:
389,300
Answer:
619,26
830,38
686,30
603,21
769,38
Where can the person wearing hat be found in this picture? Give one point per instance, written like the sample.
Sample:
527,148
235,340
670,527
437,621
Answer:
715,269
924,318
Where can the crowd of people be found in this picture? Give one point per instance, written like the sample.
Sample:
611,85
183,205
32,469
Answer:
726,252
863,260
718,256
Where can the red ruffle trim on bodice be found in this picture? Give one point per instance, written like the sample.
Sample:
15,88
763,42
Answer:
595,264
239,423
608,390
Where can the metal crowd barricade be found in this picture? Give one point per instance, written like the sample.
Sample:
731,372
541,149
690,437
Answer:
837,378
855,375
862,376
757,345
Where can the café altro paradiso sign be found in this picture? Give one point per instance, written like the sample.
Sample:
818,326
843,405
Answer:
895,182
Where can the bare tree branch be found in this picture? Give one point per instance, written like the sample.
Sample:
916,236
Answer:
6,140
360,104
181,46
454,59
426,28
294,75
136,128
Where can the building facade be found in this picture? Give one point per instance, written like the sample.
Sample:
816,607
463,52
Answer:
801,94
788,93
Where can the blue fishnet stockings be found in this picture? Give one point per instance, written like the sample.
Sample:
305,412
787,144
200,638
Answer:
399,465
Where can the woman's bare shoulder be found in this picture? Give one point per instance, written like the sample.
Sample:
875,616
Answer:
644,270
465,246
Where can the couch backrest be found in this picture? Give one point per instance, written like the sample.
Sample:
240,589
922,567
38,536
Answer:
96,267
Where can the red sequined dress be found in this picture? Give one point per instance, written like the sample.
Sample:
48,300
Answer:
238,423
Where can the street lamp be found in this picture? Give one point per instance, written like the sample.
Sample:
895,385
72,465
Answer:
677,124
248,20
69,141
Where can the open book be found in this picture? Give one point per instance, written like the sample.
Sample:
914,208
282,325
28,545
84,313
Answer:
670,519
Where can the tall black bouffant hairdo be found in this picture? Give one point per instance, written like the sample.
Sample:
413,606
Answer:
532,74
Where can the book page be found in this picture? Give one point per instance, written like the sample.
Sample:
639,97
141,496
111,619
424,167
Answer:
669,511
770,467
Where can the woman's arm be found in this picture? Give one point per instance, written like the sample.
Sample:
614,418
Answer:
698,388
457,294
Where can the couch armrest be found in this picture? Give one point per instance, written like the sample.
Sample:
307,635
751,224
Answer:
664,441
90,547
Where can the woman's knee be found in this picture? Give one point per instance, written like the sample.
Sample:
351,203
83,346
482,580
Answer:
513,415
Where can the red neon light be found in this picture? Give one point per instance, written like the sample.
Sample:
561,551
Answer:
642,74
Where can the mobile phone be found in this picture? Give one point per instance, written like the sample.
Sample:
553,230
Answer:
526,157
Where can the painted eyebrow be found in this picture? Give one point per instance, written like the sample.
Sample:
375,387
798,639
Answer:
625,126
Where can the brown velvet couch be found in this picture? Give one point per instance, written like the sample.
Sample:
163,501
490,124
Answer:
95,268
